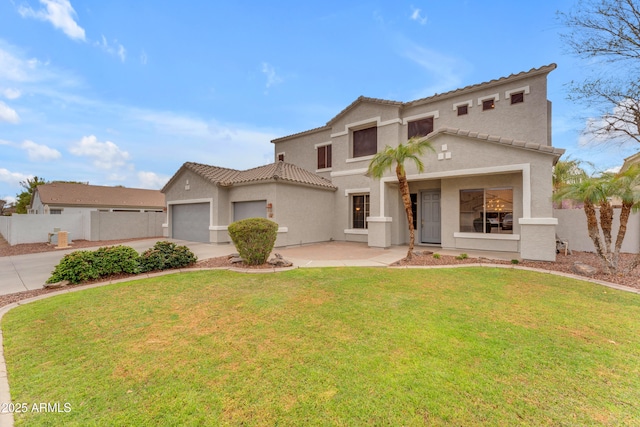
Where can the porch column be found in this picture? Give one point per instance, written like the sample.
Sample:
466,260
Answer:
379,231
537,238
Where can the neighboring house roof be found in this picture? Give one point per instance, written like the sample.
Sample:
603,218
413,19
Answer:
556,152
83,195
279,171
631,160
436,97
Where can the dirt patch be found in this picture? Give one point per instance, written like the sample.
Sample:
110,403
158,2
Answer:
563,264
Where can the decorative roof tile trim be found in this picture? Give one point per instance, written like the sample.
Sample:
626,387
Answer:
545,69
305,132
533,71
279,171
498,140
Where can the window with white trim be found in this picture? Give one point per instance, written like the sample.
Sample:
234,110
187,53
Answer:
486,210
359,211
324,156
365,142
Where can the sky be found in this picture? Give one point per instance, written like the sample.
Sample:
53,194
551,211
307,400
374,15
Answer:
124,92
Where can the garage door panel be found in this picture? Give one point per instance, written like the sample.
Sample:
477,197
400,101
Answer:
191,222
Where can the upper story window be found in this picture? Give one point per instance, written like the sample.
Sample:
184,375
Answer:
324,156
517,98
281,157
463,109
422,127
516,95
365,142
488,104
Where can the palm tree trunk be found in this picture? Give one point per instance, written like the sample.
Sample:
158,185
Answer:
622,231
594,233
606,224
406,200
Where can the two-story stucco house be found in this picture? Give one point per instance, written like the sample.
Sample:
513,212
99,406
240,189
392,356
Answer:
486,187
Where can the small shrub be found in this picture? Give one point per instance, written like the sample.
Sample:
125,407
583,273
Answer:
165,255
254,239
436,255
462,256
111,260
76,267
82,266
515,261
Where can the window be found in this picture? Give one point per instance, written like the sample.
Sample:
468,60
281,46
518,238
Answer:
488,104
517,98
487,210
281,157
365,142
324,156
463,109
55,212
360,210
421,127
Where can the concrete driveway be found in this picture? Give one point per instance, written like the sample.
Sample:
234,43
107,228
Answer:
27,272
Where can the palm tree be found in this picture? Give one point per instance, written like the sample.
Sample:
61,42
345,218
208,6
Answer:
567,172
627,184
596,193
384,161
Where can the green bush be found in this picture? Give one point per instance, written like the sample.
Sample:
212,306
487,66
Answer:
81,266
462,256
254,239
165,255
111,260
436,255
76,267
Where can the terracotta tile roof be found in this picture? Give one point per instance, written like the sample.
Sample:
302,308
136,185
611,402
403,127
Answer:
279,171
541,70
557,152
213,174
436,97
69,194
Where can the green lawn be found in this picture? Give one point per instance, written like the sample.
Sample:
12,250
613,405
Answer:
331,346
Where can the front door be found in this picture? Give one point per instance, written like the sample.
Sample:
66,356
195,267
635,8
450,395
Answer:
430,217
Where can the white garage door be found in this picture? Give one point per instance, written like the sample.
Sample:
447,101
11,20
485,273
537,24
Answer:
253,209
190,222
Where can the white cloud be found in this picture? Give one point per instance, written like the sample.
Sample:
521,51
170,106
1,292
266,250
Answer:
272,78
59,13
152,180
39,152
612,127
115,49
10,93
443,69
8,114
416,15
13,178
105,155
144,58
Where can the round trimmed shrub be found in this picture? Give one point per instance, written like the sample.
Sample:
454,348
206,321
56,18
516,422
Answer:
254,239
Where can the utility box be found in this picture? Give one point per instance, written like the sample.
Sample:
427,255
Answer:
63,239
